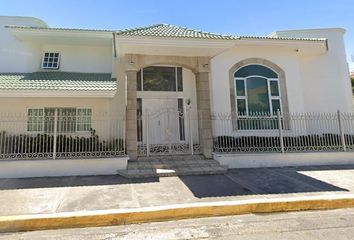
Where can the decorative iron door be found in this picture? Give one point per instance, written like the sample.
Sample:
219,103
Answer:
166,128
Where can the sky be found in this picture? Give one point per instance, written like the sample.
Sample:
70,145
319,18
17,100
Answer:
236,17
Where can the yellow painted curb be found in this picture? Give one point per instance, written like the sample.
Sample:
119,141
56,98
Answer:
172,212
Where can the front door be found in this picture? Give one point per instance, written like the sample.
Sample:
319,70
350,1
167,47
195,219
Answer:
163,120
165,127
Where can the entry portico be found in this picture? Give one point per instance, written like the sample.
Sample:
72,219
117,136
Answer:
140,48
198,69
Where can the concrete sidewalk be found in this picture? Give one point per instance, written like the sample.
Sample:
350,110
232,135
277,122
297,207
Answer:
71,194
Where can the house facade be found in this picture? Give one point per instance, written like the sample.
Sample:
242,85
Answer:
162,89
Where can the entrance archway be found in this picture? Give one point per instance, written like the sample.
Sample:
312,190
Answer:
167,119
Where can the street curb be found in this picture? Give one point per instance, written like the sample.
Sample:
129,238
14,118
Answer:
170,212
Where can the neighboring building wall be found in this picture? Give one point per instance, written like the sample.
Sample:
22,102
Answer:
285,59
26,56
325,78
17,56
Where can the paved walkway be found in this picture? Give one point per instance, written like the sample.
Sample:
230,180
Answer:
50,195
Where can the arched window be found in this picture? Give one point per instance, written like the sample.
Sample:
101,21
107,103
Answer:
257,91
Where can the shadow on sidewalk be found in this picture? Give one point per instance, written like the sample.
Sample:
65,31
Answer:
260,181
78,181
237,182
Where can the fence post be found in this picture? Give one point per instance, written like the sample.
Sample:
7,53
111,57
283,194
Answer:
190,132
55,133
339,117
147,134
280,128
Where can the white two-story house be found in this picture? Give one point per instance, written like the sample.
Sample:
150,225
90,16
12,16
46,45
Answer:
166,90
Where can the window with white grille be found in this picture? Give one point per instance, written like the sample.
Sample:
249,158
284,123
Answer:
51,60
69,120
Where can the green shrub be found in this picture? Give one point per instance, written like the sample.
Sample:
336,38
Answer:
43,143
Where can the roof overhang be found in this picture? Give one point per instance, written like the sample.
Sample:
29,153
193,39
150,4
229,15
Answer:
211,47
301,46
55,94
62,36
171,46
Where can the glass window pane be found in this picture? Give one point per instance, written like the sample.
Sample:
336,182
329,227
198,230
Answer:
49,119
179,79
257,96
159,79
51,60
255,70
274,90
138,81
139,111
83,119
66,119
241,106
276,105
240,87
182,135
35,120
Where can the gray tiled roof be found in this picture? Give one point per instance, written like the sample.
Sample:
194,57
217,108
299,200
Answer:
68,81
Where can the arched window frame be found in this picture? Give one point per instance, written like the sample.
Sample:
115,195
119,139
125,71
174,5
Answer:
245,97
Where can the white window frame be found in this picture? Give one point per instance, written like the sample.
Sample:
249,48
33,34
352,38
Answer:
77,114
60,132
270,97
43,60
37,122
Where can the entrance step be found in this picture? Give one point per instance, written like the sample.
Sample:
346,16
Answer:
166,166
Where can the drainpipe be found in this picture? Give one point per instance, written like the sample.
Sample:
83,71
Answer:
114,45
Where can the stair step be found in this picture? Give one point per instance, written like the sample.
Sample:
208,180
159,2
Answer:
176,165
170,173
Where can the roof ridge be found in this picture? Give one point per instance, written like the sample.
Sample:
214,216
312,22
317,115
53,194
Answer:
127,30
199,30
171,30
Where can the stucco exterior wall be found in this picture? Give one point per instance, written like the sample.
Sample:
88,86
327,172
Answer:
20,105
17,56
325,77
26,56
92,59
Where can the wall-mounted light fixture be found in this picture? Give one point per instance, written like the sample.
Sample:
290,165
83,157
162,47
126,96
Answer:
131,60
